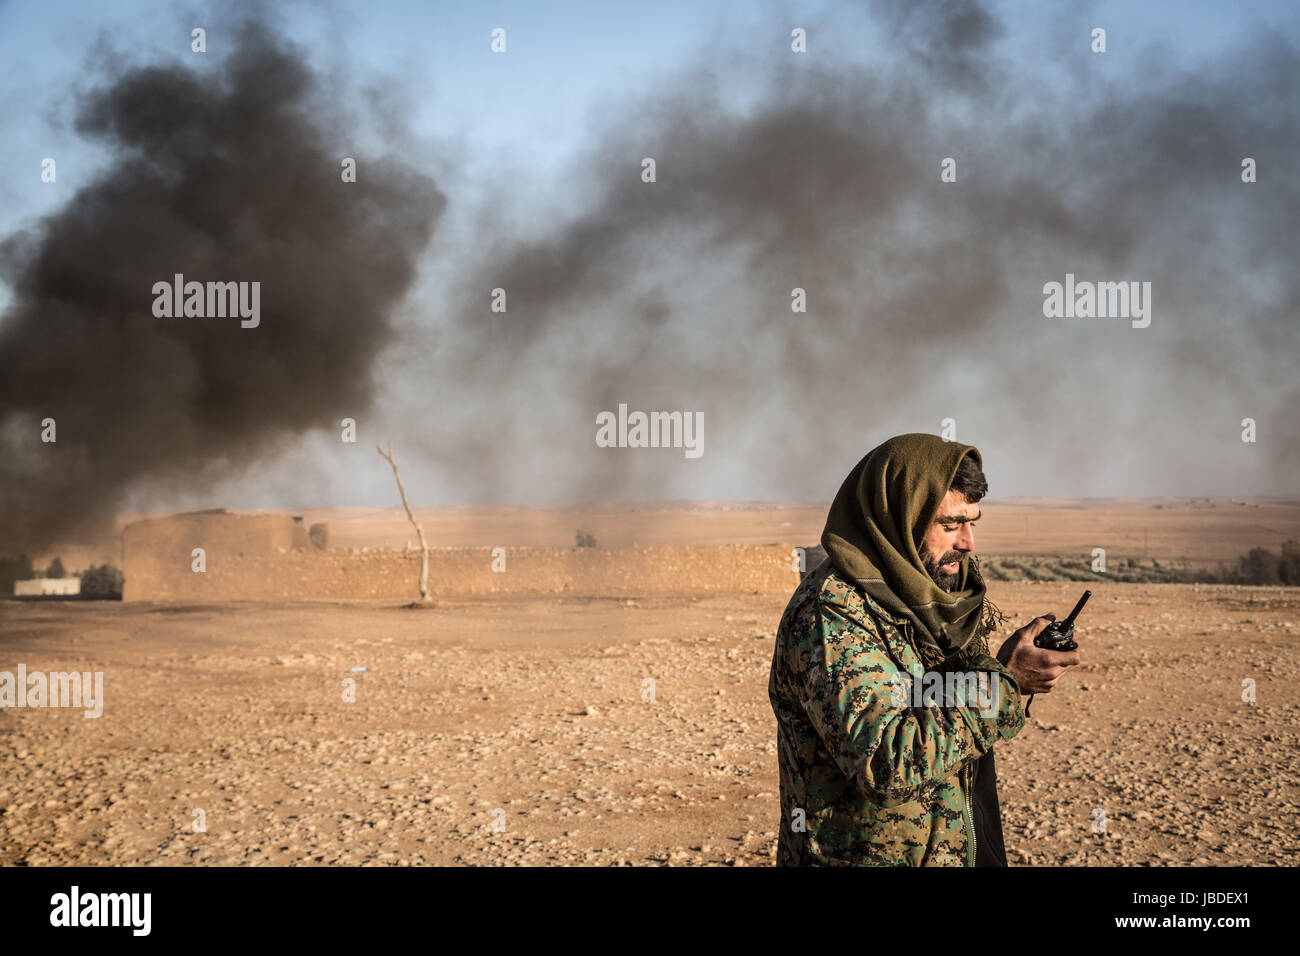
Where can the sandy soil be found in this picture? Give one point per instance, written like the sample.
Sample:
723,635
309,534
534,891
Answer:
533,707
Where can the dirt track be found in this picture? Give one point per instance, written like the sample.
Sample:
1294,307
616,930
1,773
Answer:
533,706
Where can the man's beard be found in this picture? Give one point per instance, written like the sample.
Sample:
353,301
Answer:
947,582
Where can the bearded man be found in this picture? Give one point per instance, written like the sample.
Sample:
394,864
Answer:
871,772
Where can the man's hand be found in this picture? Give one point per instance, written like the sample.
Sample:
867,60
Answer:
1036,669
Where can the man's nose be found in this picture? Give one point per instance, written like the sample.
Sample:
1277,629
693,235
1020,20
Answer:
965,539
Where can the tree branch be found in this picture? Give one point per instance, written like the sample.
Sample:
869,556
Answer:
419,531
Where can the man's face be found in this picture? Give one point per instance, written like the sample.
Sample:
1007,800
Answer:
949,537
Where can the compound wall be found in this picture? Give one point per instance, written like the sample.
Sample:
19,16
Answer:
247,559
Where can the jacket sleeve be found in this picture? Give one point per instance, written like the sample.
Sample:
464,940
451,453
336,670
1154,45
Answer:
855,697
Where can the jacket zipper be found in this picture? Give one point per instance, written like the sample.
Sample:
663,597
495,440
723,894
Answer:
970,817
966,774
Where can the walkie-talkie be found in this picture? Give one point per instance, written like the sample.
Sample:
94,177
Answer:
1059,636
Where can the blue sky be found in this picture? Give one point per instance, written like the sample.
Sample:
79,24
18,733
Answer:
565,60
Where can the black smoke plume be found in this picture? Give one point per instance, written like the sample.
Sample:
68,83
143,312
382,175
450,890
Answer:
229,173
924,298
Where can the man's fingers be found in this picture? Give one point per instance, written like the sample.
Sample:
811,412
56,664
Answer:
1063,658
1038,625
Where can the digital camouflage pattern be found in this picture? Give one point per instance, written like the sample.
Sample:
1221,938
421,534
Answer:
879,782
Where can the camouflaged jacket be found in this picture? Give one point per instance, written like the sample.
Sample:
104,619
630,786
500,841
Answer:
868,777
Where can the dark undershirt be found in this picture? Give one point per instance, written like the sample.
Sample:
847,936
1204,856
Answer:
987,816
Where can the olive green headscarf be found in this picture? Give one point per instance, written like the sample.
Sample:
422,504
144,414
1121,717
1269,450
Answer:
873,535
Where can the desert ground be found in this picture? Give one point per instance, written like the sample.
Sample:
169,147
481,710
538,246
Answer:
514,730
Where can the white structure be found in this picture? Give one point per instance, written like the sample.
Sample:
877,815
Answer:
40,586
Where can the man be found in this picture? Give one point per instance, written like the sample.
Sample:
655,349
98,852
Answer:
870,773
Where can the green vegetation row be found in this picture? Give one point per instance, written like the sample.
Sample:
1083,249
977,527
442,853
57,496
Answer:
1259,567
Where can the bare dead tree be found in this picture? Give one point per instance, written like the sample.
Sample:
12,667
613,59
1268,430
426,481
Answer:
424,548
